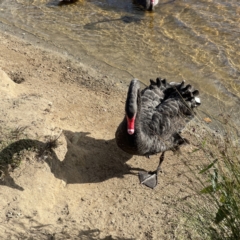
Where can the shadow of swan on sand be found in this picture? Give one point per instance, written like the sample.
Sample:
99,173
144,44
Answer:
87,160
90,160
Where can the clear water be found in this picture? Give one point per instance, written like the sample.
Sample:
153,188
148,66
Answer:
195,40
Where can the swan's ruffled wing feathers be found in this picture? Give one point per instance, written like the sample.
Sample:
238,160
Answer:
165,110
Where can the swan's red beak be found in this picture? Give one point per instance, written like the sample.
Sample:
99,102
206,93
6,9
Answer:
130,125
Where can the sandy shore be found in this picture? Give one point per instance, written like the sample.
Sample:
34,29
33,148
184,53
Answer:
86,188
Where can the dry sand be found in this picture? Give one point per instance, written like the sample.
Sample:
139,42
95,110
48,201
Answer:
86,188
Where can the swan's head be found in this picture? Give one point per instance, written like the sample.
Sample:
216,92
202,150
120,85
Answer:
131,107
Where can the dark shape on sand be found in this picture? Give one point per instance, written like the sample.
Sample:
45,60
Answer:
154,119
126,19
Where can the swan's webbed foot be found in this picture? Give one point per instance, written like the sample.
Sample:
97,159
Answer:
150,179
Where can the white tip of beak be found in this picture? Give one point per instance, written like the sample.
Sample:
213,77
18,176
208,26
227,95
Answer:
130,131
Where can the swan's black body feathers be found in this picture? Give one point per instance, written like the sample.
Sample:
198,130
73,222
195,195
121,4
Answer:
162,110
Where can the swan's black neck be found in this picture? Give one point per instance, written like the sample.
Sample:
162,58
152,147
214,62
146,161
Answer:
132,106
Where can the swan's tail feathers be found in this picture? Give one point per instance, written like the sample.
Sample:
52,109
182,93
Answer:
189,94
159,83
175,90
168,88
186,92
156,89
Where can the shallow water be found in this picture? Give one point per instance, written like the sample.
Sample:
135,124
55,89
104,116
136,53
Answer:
195,40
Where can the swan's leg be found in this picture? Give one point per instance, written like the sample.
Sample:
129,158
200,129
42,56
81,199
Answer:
159,169
150,179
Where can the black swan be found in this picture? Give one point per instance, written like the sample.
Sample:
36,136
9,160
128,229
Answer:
154,119
148,4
